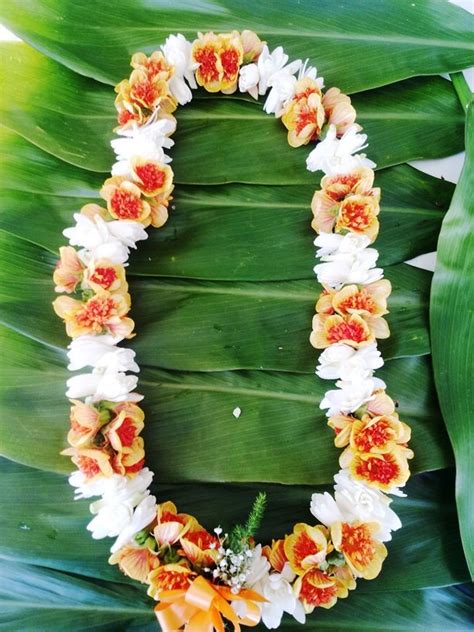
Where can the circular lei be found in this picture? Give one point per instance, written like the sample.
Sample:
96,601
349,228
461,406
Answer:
201,578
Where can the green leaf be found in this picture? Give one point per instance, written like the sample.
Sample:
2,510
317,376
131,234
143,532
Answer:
354,45
282,434
452,301
258,226
52,530
73,117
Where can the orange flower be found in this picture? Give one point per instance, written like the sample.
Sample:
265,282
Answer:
351,330
359,181
141,94
315,589
366,300
103,275
130,459
378,434
219,58
171,525
338,110
382,471
91,462
169,577
85,423
342,426
276,554
103,313
124,428
358,214
152,177
252,46
199,546
124,200
306,547
136,562
364,554
69,270
303,116
154,66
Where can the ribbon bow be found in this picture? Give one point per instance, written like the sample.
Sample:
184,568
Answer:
201,607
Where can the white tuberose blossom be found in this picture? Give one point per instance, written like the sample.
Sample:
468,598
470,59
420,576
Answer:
340,361
100,385
334,155
349,396
100,352
177,52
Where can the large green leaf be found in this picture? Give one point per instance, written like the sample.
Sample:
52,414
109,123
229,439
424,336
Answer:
282,434
52,531
452,323
72,117
355,45
257,226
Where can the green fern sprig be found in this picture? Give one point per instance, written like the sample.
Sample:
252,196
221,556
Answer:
241,533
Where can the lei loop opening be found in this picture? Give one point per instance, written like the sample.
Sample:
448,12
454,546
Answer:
201,578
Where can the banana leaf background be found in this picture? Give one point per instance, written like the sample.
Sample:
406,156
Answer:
223,297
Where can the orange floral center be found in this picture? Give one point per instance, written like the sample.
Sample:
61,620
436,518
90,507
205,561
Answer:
154,67
206,57
306,116
346,331
314,595
104,277
144,92
381,469
304,546
126,205
126,432
171,580
355,215
97,311
125,116
360,300
357,543
375,435
203,539
230,63
151,176
88,466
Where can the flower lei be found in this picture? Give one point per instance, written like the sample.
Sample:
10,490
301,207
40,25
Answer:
197,577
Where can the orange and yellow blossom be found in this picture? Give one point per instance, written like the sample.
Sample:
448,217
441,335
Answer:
338,110
136,562
219,58
199,546
378,434
275,554
303,115
130,459
351,330
155,66
252,46
102,275
85,423
169,577
69,270
103,313
382,471
171,525
152,177
317,589
363,553
124,200
365,300
125,427
159,209
91,462
306,547
358,214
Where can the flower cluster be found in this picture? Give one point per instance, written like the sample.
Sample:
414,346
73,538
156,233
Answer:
201,578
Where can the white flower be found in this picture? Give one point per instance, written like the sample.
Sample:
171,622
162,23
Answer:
259,567
146,141
332,244
341,361
335,156
325,509
144,513
86,488
342,267
100,351
177,52
349,396
104,240
128,490
358,501
248,79
99,385
310,72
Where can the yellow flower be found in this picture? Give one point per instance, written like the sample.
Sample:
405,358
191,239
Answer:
135,561
342,426
69,270
366,300
171,525
219,58
103,313
130,459
85,423
382,471
124,428
154,66
92,462
252,46
315,589
152,177
169,577
303,115
351,330
276,555
363,553
124,200
103,275
159,210
306,547
199,546
338,110
358,214
378,434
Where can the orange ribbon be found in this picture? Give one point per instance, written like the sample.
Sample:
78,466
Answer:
201,607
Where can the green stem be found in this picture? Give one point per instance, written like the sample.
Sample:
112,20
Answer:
462,89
